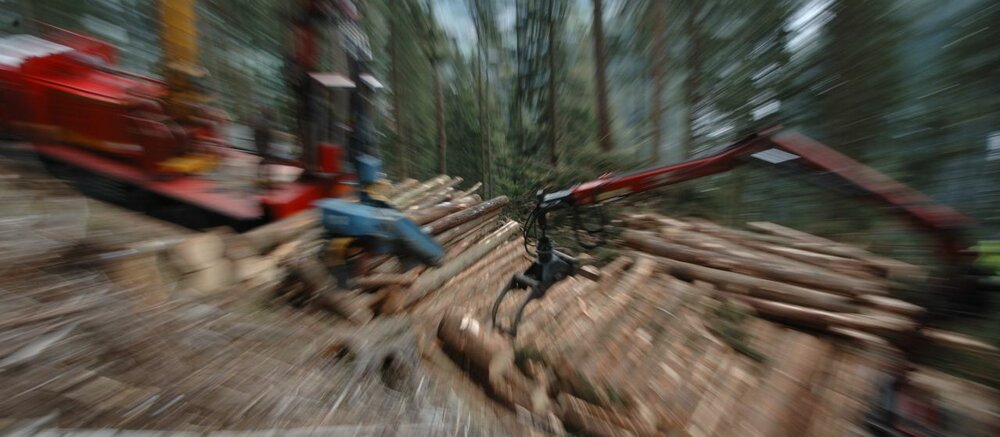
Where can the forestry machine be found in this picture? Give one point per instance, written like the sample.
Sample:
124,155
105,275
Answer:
157,145
354,231
784,150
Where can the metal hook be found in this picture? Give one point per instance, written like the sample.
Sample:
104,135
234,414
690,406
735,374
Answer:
518,282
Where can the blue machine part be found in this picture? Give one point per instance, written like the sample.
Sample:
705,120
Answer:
369,169
388,229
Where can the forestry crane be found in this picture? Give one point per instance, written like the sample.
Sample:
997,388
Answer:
784,150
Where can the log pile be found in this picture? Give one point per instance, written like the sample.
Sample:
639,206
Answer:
698,329
113,320
693,329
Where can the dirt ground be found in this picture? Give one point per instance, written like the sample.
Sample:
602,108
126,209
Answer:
84,346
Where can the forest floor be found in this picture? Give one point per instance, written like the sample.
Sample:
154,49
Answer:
84,348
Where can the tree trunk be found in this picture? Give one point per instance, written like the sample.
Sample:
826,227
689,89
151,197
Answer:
480,95
553,125
397,104
442,137
693,96
600,63
658,62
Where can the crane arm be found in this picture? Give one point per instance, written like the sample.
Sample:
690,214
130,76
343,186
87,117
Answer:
786,150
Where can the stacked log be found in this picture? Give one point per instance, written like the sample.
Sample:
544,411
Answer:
700,330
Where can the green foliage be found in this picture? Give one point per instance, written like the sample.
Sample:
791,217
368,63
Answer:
909,90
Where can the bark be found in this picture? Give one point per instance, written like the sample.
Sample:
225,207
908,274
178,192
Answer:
551,104
420,191
786,388
892,305
600,73
959,341
442,138
481,97
435,278
429,214
738,282
606,318
447,237
881,325
319,282
197,252
403,187
815,243
465,215
478,344
468,239
658,62
397,104
273,234
762,288
770,269
492,356
693,96
468,192
433,197
580,417
377,280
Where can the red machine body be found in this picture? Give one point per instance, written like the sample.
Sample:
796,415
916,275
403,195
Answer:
66,97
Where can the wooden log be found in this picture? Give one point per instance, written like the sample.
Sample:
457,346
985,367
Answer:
734,261
258,268
884,325
429,214
420,190
197,252
815,243
741,283
490,353
441,194
784,231
465,215
468,192
318,280
383,279
607,318
351,305
432,197
470,238
238,247
585,419
836,263
402,187
959,341
434,278
893,305
781,404
453,234
212,279
284,253
271,235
